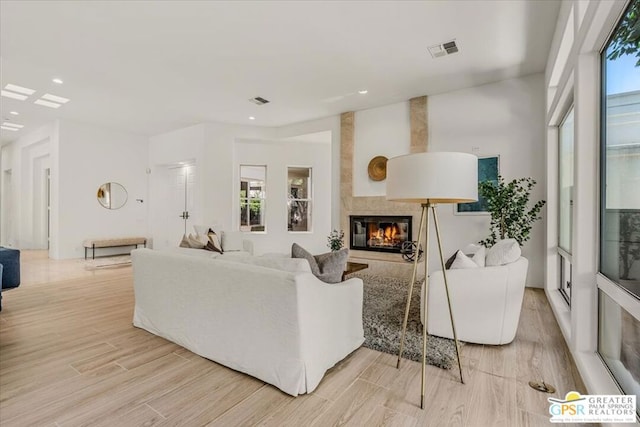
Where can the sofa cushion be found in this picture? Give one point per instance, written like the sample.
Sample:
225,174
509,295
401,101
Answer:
184,243
462,261
292,265
327,267
232,241
192,252
503,252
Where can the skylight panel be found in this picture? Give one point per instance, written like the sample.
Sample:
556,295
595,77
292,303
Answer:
55,98
47,103
13,125
12,95
20,89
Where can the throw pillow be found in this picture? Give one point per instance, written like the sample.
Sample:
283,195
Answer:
447,265
462,261
202,230
327,267
471,249
232,241
184,243
298,251
503,252
197,242
479,256
213,243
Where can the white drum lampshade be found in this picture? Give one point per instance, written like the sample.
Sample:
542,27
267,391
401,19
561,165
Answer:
434,177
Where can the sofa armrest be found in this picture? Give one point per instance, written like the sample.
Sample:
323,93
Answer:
330,322
477,301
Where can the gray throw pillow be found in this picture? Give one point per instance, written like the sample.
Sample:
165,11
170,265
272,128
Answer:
326,267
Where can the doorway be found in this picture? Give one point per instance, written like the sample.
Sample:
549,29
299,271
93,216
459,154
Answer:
182,183
175,205
6,204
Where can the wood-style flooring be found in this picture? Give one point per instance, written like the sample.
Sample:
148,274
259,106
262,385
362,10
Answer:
69,356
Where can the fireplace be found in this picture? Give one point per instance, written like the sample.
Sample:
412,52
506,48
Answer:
379,233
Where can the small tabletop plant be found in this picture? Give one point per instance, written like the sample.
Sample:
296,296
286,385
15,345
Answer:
336,240
507,202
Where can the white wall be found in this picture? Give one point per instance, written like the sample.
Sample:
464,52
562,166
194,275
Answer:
277,156
329,124
23,218
183,145
210,147
505,119
383,131
90,156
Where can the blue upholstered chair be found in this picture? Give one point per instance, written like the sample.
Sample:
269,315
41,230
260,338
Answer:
9,269
10,260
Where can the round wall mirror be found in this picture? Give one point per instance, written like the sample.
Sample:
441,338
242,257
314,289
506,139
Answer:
112,195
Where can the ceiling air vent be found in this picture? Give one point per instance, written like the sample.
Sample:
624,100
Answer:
258,100
443,49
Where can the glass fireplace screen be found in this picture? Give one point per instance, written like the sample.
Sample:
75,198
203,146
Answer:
379,233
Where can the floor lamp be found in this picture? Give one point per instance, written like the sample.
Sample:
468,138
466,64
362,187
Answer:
431,179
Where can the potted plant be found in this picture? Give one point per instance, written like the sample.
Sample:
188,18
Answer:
336,240
508,204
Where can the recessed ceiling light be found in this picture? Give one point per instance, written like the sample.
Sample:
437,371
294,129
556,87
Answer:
15,113
57,81
13,125
363,92
55,98
46,103
19,89
251,118
8,128
13,95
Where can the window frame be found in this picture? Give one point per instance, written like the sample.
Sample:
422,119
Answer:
308,199
242,226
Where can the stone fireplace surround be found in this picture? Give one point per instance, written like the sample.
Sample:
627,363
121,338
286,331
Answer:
384,264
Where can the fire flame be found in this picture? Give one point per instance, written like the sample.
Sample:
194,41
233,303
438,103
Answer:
387,234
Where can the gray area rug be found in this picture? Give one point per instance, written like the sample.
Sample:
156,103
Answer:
383,312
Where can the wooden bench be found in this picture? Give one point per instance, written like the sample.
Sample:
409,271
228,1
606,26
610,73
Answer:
112,243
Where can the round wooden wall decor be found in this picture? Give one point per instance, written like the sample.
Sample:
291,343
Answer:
378,168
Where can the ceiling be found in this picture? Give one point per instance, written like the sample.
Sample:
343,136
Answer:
152,67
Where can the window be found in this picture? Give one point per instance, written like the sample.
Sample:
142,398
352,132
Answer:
299,199
618,344
620,156
565,173
565,204
618,328
252,197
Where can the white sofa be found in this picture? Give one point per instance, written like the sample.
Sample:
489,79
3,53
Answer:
486,303
277,323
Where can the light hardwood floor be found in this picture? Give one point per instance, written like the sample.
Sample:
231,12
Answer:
69,356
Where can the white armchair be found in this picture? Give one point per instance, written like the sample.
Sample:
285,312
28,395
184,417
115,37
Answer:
486,303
